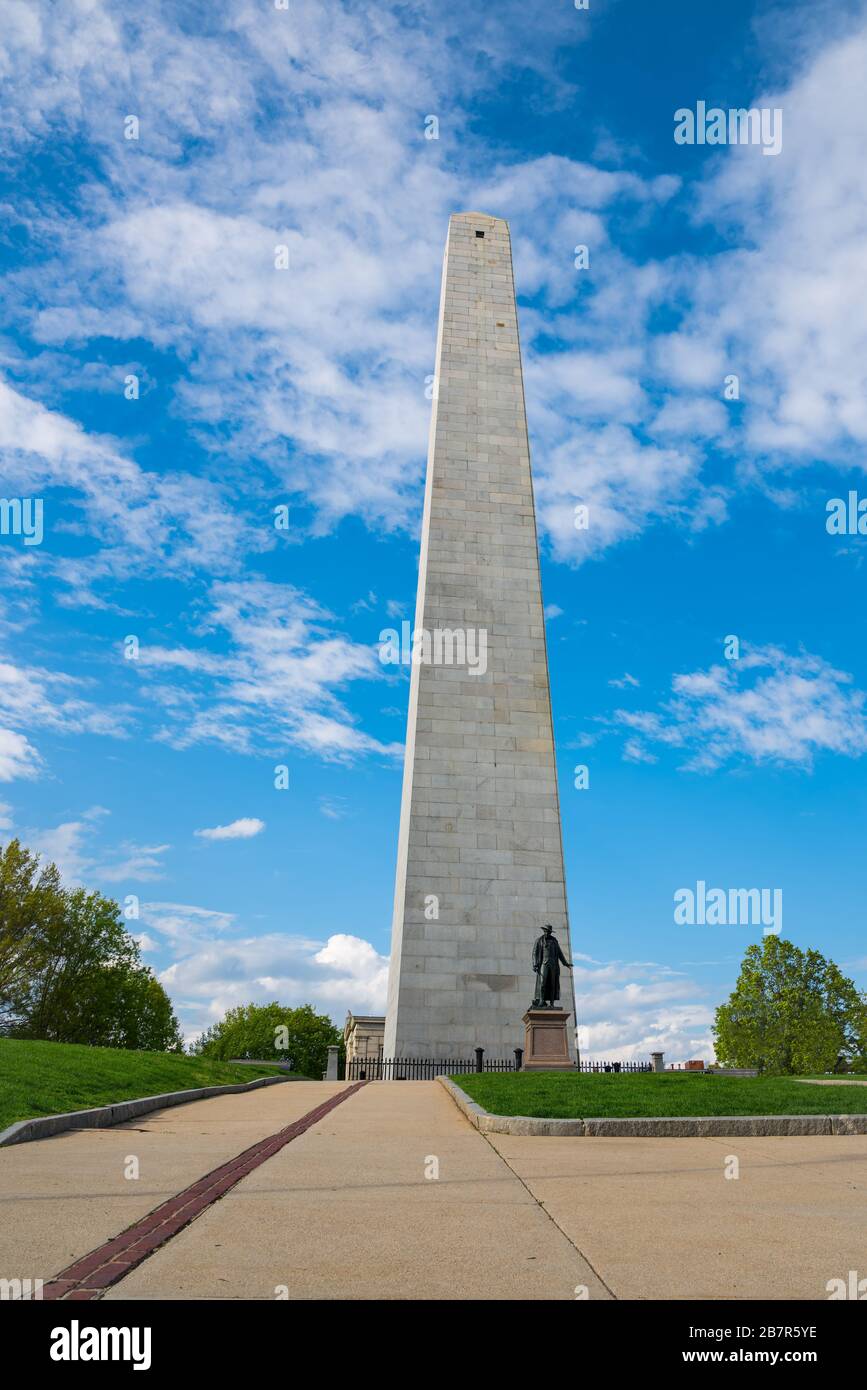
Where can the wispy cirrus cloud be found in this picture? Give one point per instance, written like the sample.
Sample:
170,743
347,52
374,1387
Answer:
320,369
273,682
769,706
140,523
783,296
40,697
181,925
75,847
318,373
34,699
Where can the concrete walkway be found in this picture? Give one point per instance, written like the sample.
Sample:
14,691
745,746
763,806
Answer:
347,1211
61,1197
659,1219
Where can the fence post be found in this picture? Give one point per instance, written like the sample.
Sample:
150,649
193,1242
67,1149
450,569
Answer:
519,1058
480,1059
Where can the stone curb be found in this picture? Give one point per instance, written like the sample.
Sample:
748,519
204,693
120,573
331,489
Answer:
100,1117
664,1127
507,1124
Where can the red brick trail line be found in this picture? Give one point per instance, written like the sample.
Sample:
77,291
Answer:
89,1277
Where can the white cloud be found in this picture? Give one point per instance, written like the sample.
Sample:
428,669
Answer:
622,415
779,310
276,684
356,959
70,845
183,925
144,522
634,751
623,483
329,358
340,974
142,863
18,757
145,942
767,707
628,1009
690,417
243,829
34,697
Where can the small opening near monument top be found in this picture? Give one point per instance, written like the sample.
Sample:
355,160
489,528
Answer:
480,234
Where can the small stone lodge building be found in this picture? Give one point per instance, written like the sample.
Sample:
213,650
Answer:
363,1036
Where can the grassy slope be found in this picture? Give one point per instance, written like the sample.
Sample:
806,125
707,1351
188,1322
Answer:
43,1078
675,1093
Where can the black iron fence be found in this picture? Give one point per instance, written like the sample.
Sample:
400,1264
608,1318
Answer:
615,1066
426,1068
417,1068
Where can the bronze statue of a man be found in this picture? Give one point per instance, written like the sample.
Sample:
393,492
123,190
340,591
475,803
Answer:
547,956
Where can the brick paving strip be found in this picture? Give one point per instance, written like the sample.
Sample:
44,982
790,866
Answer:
89,1277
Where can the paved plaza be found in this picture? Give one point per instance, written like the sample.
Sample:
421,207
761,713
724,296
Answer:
394,1195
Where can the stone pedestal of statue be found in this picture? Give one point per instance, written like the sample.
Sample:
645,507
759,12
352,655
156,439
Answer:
546,1045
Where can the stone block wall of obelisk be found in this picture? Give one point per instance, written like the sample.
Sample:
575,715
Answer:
479,840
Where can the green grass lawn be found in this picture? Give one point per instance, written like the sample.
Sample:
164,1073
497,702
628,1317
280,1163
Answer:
43,1078
591,1096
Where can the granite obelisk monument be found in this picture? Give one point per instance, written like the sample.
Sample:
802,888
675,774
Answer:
480,858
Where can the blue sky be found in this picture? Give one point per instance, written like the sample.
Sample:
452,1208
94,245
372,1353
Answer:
260,387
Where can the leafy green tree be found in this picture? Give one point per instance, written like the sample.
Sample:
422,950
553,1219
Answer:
151,1023
792,1012
300,1036
68,981
30,898
70,970
125,1006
